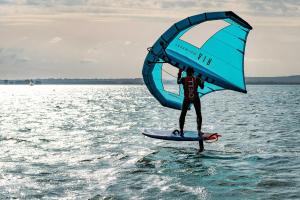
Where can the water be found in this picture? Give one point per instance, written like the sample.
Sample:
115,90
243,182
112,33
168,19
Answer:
80,142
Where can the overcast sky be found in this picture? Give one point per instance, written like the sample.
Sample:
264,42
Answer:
108,38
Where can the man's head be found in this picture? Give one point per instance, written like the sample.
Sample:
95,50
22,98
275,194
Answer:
190,71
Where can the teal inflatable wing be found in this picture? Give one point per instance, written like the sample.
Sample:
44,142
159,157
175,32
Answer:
219,61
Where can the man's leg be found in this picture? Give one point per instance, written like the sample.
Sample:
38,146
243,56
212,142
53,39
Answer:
197,106
185,107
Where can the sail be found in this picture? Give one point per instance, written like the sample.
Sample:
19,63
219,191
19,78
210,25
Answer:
219,61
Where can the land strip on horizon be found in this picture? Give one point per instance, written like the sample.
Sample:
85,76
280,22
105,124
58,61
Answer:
284,80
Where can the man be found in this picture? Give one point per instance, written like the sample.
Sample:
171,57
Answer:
190,85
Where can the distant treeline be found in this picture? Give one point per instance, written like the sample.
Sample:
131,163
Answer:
73,81
285,80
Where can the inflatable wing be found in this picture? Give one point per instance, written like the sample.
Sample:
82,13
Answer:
219,61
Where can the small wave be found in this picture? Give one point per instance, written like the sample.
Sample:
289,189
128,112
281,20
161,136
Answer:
24,130
275,183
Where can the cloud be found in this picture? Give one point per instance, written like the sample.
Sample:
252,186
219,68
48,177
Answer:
23,59
88,61
126,43
261,60
24,19
253,7
55,40
256,12
275,7
10,53
13,55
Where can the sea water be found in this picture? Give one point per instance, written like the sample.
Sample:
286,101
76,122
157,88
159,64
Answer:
85,142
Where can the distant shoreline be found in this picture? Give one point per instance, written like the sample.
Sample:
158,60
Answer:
284,80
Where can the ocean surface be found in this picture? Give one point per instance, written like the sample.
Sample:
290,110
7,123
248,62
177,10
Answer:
85,142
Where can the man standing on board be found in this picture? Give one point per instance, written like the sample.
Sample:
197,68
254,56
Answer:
190,85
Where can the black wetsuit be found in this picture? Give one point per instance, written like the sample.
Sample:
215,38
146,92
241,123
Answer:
187,101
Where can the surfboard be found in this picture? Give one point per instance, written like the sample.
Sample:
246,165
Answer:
175,136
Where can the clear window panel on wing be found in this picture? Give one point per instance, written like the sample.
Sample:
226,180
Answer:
199,34
169,78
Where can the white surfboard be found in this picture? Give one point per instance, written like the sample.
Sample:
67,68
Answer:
175,136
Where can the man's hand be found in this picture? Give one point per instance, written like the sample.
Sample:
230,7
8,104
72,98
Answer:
201,81
179,73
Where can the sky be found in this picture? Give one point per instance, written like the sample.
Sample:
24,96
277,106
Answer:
109,38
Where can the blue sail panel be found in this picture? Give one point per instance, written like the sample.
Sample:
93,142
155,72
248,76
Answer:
226,49
208,88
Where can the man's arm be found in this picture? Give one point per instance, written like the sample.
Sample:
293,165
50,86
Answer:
179,79
201,82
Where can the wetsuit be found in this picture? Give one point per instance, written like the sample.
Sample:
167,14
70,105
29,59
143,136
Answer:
190,85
